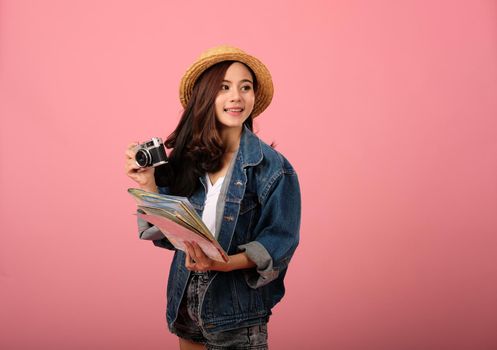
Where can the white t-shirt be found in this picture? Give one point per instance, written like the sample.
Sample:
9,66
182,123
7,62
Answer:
210,205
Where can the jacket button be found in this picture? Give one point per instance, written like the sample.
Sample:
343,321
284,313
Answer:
238,183
228,218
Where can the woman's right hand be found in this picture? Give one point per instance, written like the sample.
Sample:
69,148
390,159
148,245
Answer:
144,177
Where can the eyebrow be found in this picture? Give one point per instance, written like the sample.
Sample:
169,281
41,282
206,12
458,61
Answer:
241,81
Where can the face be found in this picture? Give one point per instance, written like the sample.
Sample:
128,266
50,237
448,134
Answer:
236,97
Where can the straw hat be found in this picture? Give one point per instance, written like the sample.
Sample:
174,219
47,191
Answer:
210,57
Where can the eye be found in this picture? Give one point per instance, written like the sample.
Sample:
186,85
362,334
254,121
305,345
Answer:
225,87
246,88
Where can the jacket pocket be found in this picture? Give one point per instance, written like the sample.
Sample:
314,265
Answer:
248,203
249,300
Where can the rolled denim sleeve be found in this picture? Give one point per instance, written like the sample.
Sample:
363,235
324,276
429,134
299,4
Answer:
277,231
147,231
152,233
265,271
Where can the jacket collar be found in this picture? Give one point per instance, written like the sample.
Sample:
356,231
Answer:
249,154
250,150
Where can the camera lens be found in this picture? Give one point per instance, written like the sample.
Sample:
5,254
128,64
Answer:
142,158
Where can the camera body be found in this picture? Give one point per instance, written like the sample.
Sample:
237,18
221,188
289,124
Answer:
150,153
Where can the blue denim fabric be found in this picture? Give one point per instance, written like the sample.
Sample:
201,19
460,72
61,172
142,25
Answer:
187,325
262,210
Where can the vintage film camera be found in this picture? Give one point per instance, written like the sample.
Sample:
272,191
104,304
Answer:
151,153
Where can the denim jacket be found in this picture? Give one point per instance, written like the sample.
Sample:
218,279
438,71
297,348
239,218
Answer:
261,217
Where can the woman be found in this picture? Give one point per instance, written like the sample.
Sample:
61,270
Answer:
247,194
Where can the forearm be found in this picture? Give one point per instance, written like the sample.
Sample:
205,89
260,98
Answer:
237,262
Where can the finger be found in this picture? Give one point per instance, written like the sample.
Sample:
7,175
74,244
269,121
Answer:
132,145
188,262
129,153
191,252
130,150
199,252
204,263
131,166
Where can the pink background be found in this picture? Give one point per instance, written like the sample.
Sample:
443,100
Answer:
387,109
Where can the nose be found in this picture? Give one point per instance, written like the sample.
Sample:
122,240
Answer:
235,95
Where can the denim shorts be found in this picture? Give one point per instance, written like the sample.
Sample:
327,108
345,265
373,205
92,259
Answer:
187,325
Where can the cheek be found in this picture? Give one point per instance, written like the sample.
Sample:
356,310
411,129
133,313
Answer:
251,100
249,97
218,103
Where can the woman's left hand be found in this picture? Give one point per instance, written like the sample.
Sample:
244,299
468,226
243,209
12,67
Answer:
196,260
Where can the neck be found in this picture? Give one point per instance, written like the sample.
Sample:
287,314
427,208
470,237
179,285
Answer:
231,138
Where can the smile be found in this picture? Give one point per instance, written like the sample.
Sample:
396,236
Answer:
233,110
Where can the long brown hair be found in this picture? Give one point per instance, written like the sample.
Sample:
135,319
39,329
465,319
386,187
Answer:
196,142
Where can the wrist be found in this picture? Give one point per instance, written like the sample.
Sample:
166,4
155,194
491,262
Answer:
149,188
222,266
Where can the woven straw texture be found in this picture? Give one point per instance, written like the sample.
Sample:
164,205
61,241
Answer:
264,93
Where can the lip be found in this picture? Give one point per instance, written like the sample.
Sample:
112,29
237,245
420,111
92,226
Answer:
234,111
